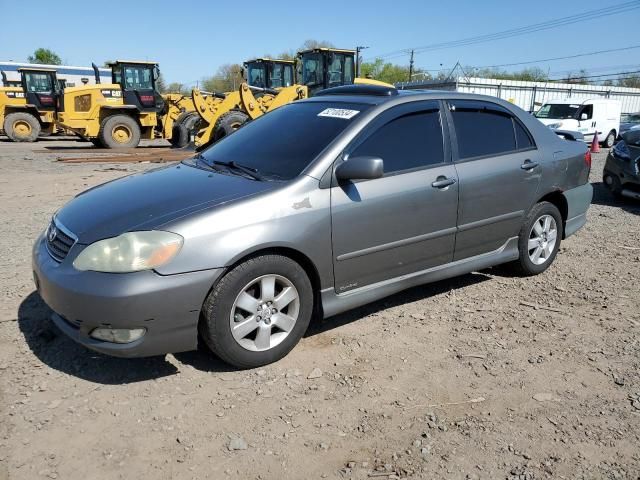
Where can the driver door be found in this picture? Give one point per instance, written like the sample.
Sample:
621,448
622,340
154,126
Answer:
405,221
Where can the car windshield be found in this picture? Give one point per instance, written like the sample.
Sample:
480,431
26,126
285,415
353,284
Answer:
312,69
282,143
630,118
557,110
39,82
256,74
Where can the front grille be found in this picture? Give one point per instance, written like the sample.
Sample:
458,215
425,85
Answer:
59,240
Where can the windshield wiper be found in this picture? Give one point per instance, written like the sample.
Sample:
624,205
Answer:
249,171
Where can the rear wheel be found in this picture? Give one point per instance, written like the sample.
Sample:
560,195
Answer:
539,239
119,131
229,123
613,183
610,139
22,127
258,311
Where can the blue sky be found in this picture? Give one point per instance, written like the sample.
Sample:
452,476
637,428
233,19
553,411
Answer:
192,40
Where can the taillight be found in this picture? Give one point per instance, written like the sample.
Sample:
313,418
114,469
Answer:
587,159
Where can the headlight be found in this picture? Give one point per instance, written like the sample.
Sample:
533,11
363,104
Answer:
130,252
621,150
555,125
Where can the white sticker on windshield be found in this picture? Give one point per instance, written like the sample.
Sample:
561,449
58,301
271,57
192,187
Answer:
338,113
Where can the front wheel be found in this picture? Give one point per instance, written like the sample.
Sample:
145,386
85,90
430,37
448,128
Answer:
539,239
258,311
610,140
22,127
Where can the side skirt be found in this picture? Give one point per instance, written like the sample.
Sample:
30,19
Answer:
334,303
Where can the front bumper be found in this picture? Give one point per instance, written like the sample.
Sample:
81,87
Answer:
168,307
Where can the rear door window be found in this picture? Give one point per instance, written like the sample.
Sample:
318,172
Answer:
485,129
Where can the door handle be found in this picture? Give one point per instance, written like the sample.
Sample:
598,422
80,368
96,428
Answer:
528,165
443,182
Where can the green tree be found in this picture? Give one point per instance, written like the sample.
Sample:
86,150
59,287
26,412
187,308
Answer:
161,85
177,87
228,77
632,81
311,43
389,72
580,77
533,74
44,56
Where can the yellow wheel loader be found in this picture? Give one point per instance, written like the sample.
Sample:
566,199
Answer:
318,68
121,113
29,111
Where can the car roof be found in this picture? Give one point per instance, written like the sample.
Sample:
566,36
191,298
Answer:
404,96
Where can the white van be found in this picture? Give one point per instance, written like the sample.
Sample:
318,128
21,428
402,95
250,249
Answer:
584,116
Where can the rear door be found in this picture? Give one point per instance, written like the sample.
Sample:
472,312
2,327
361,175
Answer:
405,221
498,166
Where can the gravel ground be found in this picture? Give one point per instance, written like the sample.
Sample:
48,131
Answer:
483,376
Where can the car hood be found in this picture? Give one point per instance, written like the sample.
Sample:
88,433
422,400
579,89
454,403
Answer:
146,201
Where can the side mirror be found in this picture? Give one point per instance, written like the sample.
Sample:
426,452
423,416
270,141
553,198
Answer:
584,116
360,168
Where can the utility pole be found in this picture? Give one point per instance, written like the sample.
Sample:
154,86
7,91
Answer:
358,50
411,66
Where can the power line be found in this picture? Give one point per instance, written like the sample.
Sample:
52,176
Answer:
578,55
537,27
562,58
581,77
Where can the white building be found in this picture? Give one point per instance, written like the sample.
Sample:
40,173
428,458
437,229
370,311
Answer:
67,75
531,95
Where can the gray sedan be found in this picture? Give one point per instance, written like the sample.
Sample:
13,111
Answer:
313,209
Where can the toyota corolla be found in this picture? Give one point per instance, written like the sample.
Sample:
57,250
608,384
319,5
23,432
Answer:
318,207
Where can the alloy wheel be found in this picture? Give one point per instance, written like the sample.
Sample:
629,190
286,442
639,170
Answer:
264,313
542,239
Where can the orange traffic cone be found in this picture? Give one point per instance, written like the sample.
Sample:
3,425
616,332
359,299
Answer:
595,145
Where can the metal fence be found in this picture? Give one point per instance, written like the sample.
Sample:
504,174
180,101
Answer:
531,95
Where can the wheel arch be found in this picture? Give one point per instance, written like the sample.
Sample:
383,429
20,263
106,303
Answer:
296,255
558,199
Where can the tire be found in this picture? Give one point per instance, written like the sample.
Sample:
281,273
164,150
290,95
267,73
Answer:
609,140
280,334
22,127
527,264
119,131
612,182
182,129
229,123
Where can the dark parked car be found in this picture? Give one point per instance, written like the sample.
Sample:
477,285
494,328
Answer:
622,168
318,207
629,121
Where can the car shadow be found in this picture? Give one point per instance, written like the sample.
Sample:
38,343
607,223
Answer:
61,353
401,298
603,196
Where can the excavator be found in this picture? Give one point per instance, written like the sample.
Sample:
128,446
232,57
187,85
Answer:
29,111
266,89
130,108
